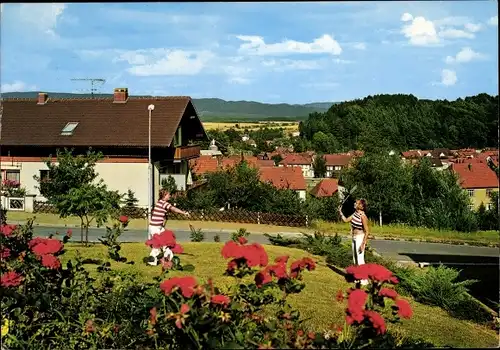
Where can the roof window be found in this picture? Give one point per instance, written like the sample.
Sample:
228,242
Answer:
69,129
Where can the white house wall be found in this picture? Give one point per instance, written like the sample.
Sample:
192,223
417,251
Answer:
117,176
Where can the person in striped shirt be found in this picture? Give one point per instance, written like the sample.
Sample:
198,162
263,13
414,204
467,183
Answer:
359,231
157,222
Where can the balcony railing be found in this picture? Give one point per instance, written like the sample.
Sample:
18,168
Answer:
187,152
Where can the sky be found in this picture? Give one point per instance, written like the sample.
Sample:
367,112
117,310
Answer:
287,52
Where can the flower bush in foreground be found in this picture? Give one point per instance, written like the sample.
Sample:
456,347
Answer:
47,305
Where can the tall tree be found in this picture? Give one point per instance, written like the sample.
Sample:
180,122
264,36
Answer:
319,166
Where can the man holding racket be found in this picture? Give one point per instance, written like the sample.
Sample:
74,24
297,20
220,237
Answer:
157,223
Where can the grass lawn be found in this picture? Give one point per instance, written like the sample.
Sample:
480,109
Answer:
317,300
386,231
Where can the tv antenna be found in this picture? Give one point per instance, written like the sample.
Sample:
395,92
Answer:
93,83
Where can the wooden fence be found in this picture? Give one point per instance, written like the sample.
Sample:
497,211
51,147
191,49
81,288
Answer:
238,216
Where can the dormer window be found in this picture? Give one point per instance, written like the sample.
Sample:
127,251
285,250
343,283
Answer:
69,129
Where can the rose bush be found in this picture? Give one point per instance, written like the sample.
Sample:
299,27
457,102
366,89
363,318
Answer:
47,305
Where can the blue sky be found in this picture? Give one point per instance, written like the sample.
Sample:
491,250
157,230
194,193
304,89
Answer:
267,52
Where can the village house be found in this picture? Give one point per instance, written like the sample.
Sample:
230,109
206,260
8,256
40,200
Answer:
33,129
336,163
285,178
302,161
325,188
478,180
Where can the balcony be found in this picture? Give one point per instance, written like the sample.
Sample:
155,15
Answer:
186,152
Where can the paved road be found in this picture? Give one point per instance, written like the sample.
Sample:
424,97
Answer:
406,251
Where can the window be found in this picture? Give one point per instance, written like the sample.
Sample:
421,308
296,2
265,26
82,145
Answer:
471,193
13,175
488,192
488,206
69,129
44,175
338,167
471,207
178,137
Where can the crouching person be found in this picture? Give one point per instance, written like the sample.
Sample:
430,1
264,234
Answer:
157,222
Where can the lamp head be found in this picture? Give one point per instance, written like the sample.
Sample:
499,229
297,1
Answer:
151,107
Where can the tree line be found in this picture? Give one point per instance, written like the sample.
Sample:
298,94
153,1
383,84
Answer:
402,122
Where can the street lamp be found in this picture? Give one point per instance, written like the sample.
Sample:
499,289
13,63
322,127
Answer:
150,168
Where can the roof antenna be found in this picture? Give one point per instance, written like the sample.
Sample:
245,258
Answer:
93,83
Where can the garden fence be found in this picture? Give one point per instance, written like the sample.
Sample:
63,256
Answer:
234,215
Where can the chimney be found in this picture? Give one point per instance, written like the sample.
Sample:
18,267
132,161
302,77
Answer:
120,95
470,166
42,98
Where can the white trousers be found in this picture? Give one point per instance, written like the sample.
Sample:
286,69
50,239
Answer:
359,258
167,253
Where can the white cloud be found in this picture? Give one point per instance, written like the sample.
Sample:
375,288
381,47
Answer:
256,45
452,33
157,62
286,64
420,32
448,77
359,46
473,27
465,55
17,86
406,17
44,17
493,21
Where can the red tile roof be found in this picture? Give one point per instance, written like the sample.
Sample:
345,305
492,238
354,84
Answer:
100,121
296,159
205,164
337,159
468,160
283,177
325,188
412,154
477,175
486,154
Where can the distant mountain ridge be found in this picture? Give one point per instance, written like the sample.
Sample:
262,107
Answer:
216,108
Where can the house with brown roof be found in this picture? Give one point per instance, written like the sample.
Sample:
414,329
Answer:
336,162
285,178
478,180
33,129
325,188
298,160
206,163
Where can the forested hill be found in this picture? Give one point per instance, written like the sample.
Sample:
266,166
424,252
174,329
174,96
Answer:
404,122
215,108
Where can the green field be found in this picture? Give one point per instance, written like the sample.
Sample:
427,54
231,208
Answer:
316,302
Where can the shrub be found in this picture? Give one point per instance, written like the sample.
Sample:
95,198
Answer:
216,238
46,305
242,232
196,234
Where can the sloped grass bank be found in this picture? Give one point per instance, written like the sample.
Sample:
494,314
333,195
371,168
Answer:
316,302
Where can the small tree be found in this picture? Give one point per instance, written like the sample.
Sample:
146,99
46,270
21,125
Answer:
277,158
319,166
130,200
169,184
72,189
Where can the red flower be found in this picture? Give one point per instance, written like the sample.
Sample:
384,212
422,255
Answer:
252,255
300,333
355,306
374,272
340,296
242,240
50,261
44,246
389,293
7,230
180,316
166,264
123,219
282,259
263,277
11,279
278,270
299,265
162,239
89,326
232,265
185,284
177,249
311,335
184,309
376,320
5,253
404,308
153,316
220,299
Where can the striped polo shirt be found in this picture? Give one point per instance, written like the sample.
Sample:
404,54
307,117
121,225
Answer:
356,221
159,213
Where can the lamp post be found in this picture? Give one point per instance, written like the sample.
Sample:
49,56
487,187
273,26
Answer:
150,168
